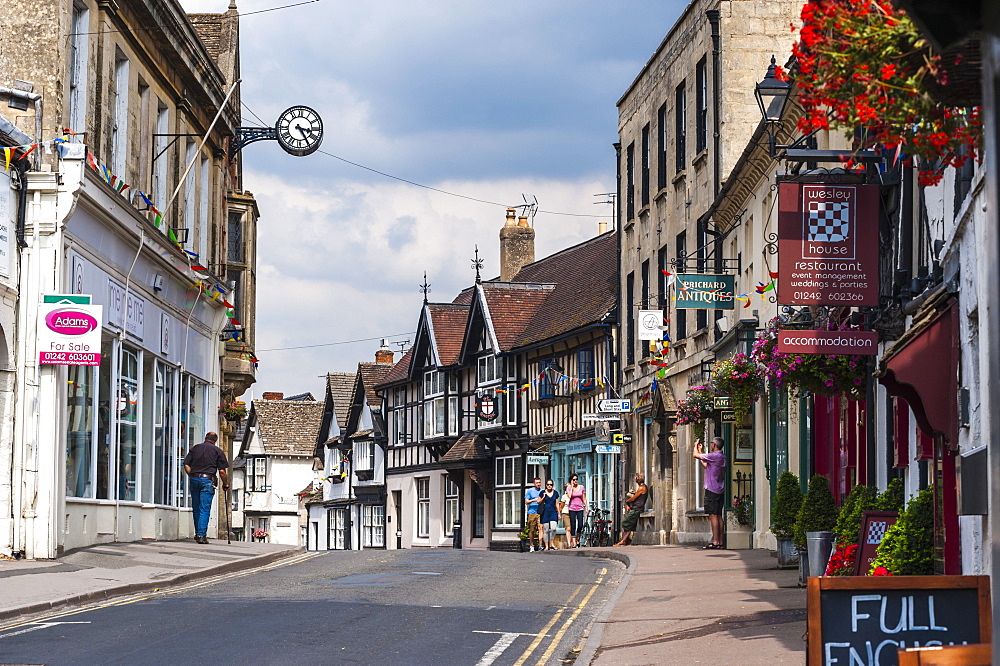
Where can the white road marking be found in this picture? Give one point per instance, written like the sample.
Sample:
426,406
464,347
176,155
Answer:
426,573
38,625
505,641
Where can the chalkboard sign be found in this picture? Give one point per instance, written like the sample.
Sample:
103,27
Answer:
865,620
873,527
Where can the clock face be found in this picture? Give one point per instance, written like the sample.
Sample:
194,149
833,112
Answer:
300,130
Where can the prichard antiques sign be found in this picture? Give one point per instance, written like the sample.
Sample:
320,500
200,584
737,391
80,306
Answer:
828,342
828,244
705,291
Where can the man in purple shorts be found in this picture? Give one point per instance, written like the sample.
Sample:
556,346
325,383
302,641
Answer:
715,488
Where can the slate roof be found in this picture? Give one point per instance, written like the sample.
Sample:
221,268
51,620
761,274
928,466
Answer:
340,386
512,308
373,374
209,29
469,446
586,288
449,321
288,427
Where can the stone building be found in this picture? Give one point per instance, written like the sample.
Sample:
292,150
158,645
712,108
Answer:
138,206
683,124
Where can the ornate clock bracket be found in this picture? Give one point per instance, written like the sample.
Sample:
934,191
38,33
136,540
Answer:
248,135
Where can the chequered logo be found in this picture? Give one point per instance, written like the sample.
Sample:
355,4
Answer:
876,530
828,221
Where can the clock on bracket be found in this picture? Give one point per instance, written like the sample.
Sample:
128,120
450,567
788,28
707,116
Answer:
299,130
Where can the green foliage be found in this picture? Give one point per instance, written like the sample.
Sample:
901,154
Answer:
818,512
892,499
861,499
907,549
787,500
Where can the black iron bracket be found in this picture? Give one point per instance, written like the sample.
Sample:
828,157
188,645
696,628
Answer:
247,135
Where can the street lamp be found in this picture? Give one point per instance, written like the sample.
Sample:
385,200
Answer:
772,97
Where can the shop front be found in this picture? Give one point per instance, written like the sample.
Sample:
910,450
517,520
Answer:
595,471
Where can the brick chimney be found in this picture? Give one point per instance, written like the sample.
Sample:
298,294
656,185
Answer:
271,395
383,354
517,246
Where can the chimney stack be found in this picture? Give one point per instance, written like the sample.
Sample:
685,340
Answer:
271,395
602,228
517,246
383,354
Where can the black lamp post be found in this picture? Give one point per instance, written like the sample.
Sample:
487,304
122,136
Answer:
772,97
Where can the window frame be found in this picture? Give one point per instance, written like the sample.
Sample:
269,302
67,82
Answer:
508,492
256,467
701,105
423,493
372,526
680,127
586,367
450,505
364,455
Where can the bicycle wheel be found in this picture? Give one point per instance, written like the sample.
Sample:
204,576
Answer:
585,535
603,538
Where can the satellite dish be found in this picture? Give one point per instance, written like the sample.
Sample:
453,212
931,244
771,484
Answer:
602,433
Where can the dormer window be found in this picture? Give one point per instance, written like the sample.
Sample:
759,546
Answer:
489,370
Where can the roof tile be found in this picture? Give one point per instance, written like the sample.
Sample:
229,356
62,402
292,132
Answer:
288,427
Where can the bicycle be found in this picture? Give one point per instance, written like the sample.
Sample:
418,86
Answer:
596,530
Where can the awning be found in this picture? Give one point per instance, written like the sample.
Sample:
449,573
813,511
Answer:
469,452
922,368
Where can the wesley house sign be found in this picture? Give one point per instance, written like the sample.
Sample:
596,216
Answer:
69,331
828,244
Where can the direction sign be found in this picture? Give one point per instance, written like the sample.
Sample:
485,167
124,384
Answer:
607,448
599,417
618,406
621,438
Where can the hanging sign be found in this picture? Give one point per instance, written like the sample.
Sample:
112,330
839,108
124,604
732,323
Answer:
650,324
828,246
538,459
828,342
486,407
866,619
69,333
723,402
705,292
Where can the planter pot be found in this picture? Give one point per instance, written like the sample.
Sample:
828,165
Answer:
787,554
803,567
820,547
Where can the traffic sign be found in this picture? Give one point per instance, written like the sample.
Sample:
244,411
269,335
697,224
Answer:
621,438
619,406
607,448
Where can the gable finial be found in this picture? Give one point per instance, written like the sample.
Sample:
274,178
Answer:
425,288
477,264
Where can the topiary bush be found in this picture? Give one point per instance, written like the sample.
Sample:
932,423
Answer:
787,500
861,499
893,498
907,549
818,512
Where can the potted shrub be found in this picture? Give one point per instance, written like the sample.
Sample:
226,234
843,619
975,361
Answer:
696,408
892,498
907,549
787,500
814,527
741,379
848,527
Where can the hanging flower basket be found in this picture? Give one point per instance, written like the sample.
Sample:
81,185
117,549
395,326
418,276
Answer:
741,379
696,408
233,411
863,63
825,374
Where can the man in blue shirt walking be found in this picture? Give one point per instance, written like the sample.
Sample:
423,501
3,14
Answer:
533,500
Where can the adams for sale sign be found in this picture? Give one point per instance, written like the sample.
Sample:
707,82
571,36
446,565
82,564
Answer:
69,333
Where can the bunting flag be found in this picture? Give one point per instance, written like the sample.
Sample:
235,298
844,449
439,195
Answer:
27,152
773,274
91,161
144,198
6,158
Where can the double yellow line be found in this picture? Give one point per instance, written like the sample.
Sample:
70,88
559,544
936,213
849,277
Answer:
557,638
143,596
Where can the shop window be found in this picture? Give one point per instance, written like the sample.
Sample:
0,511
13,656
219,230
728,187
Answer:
127,408
81,404
423,507
163,431
508,492
105,418
450,505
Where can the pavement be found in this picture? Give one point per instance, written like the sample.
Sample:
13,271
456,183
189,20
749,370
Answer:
108,570
685,605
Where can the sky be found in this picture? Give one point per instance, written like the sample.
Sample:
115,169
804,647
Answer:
493,101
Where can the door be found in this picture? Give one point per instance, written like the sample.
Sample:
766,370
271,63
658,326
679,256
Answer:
338,529
397,501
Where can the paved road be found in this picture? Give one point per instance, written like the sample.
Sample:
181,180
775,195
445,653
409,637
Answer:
384,607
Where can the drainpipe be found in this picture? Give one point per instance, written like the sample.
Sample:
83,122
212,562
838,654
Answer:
713,19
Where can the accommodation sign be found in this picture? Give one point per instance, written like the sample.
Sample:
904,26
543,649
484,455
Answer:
828,342
69,333
828,247
705,291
